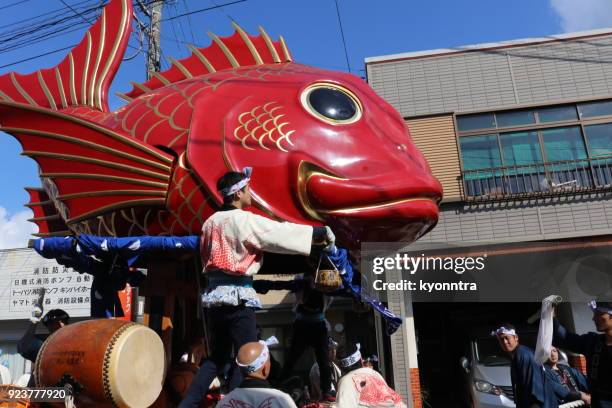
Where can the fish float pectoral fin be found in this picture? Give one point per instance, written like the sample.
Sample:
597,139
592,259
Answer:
87,169
46,216
84,76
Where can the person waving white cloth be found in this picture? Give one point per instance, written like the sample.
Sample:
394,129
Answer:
545,332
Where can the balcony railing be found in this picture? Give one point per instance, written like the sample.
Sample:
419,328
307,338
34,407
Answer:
538,179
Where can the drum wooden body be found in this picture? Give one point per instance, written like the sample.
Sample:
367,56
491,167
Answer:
115,362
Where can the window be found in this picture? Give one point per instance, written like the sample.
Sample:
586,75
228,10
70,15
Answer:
517,118
557,114
599,138
591,109
522,157
521,148
562,144
567,146
562,149
480,152
472,122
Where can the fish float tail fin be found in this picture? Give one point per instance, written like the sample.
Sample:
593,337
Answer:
84,76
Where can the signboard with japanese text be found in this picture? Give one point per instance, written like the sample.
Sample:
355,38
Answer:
24,274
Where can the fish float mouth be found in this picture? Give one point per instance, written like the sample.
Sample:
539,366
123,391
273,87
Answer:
325,196
378,206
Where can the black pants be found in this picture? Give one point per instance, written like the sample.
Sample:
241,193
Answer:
313,334
231,327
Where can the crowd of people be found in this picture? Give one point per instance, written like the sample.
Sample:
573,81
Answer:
550,384
232,245
357,383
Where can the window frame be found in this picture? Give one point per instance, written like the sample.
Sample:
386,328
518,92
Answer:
537,127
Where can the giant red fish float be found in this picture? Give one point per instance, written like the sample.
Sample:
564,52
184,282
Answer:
325,148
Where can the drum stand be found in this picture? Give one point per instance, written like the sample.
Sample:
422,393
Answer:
169,284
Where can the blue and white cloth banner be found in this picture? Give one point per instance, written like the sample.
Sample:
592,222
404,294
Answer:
93,254
108,260
78,251
339,257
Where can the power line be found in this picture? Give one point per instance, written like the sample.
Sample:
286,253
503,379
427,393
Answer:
38,56
183,36
39,16
41,38
203,10
223,11
74,11
21,38
32,30
13,4
193,37
348,64
173,26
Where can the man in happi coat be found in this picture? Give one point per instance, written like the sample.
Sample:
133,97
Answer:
231,246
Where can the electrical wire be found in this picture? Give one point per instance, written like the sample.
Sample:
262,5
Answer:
173,27
13,4
32,21
183,36
203,10
193,37
38,56
348,64
222,10
57,19
16,35
74,11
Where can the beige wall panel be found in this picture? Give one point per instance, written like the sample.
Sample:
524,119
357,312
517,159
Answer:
435,138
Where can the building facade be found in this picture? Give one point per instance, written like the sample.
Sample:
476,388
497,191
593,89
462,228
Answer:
519,133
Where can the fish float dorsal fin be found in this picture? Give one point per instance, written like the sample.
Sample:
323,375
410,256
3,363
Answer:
237,50
84,76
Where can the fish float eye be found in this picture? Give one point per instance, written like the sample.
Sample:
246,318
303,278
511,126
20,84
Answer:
331,103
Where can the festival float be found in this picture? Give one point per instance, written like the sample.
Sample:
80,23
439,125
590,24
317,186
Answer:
125,193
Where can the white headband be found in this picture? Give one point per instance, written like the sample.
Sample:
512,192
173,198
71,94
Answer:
233,189
373,358
271,341
259,362
503,330
352,359
593,306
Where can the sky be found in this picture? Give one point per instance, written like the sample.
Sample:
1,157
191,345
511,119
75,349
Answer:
312,32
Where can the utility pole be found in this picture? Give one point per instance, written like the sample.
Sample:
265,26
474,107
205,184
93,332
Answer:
154,12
